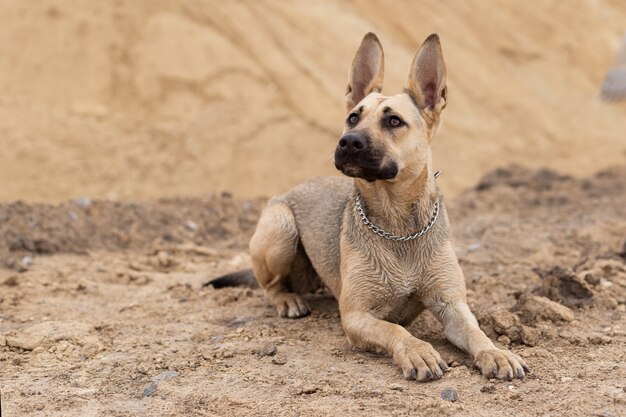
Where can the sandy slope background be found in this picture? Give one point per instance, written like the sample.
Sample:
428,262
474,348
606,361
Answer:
138,98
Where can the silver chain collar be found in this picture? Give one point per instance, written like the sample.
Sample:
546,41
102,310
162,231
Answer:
380,232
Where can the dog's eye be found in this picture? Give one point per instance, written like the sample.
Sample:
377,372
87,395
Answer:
394,121
353,119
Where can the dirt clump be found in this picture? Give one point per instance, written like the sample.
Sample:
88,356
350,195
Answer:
508,326
533,309
46,334
566,287
216,220
517,176
520,323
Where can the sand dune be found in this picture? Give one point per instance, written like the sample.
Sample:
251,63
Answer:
140,99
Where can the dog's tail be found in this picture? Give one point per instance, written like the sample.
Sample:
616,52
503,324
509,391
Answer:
243,278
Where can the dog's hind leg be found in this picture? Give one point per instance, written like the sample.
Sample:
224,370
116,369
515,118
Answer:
274,248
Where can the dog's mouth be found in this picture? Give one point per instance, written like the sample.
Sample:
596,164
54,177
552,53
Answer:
368,173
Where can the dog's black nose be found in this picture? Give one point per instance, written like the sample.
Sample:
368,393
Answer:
352,143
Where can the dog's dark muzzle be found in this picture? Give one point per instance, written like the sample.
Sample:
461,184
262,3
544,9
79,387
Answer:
352,144
356,157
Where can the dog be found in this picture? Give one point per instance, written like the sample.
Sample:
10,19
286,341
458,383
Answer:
379,241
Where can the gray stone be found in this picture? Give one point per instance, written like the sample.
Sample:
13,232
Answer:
150,390
450,394
27,261
268,351
83,202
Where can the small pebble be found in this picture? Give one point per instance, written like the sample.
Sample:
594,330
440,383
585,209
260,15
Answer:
488,389
83,202
191,225
164,259
11,281
27,261
450,394
268,351
142,368
605,284
150,390
397,387
279,360
600,340
237,322
308,389
566,379
165,375
505,340
473,247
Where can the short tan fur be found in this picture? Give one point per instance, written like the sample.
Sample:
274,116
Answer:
313,235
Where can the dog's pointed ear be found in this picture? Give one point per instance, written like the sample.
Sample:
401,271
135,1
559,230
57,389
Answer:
427,78
366,71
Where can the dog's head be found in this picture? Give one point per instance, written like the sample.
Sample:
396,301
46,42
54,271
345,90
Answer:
388,137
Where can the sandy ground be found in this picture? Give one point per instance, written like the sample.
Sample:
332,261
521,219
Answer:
143,99
102,311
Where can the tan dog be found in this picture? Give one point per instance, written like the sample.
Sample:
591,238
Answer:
381,242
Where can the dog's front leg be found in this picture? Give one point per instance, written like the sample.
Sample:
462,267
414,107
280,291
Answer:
447,300
461,328
418,359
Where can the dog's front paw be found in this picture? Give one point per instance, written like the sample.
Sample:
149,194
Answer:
501,364
291,305
419,360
